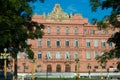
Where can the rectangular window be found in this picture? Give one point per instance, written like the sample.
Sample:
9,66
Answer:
99,31
88,55
110,44
106,31
84,31
96,67
67,43
58,43
88,42
95,54
92,31
39,42
95,43
76,43
48,30
103,43
39,55
48,43
58,30
67,30
76,30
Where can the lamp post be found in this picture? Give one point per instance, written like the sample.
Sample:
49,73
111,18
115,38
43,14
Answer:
5,56
33,61
108,74
101,72
89,67
77,67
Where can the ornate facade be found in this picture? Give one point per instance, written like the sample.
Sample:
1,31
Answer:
66,38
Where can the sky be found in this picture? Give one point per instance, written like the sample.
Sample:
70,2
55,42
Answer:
70,6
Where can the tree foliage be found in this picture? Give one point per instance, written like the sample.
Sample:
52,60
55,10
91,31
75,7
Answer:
109,20
16,26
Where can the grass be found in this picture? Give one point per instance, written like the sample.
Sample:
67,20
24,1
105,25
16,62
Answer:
64,79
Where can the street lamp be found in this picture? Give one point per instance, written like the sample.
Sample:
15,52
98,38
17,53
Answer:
89,67
5,56
33,61
77,68
108,74
101,71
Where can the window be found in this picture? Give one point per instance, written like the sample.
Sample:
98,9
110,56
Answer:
67,30
106,31
39,42
95,42
92,31
58,68
99,31
95,54
58,55
48,43
25,56
67,68
39,55
76,43
75,55
103,43
96,67
67,43
39,68
67,55
88,42
88,55
58,43
58,30
76,30
49,55
84,31
48,30
113,31
18,55
110,44
49,68
102,52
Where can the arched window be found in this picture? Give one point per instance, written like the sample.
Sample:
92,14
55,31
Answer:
49,68
75,55
58,55
58,68
49,55
67,68
39,68
67,55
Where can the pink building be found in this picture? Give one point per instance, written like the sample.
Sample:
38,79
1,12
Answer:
66,38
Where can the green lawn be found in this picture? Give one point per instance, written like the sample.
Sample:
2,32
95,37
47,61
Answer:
64,79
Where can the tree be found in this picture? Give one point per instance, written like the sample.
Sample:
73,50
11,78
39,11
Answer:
109,20
16,27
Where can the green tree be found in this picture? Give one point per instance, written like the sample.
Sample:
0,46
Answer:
109,20
16,27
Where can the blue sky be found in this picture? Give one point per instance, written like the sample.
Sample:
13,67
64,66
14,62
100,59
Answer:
70,6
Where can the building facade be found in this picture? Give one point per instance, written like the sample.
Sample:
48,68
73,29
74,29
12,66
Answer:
66,38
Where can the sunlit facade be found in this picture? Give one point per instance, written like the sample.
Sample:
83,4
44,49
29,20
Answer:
66,38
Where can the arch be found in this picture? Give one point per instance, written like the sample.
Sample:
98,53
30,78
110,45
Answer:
49,68
58,55
39,68
67,55
58,68
67,68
